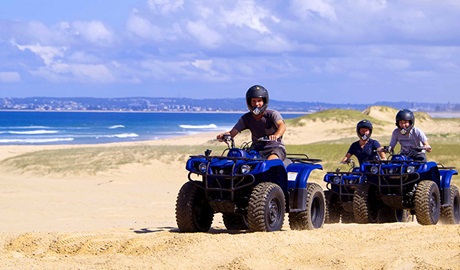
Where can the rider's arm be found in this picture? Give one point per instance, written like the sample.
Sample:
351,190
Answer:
281,129
346,158
381,153
427,146
394,139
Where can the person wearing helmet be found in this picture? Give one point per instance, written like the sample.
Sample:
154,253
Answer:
409,137
262,122
365,148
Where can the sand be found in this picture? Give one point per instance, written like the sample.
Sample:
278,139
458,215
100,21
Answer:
124,219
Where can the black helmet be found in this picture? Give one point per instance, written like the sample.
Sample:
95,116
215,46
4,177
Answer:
405,115
364,124
257,91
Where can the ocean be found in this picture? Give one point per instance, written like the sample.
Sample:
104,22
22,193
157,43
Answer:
48,128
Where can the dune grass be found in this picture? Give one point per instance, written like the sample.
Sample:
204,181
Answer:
94,160
341,116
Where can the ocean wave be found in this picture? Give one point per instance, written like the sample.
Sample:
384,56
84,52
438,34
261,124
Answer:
121,135
49,140
33,132
25,127
210,126
116,126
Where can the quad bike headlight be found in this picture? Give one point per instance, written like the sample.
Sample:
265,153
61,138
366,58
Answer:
352,181
336,180
245,168
202,167
374,169
410,169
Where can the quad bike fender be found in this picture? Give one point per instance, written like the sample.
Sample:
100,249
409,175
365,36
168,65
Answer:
446,177
298,174
269,164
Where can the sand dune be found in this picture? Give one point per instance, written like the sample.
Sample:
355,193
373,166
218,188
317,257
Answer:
124,219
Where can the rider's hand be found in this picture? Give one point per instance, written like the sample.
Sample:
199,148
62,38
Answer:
386,149
273,137
220,137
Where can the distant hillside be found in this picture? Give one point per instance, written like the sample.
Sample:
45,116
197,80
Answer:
336,123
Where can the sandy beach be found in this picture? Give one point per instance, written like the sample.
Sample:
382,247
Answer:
124,218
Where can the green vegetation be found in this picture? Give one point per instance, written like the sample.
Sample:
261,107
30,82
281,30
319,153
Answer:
340,116
92,160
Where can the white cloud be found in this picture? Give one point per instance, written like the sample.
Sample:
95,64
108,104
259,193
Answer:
93,31
82,73
205,36
36,31
247,13
46,53
143,27
203,64
312,8
165,6
8,77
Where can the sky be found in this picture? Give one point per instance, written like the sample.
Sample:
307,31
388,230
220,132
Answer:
334,51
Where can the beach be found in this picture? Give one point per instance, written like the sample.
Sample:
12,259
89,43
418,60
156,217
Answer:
124,218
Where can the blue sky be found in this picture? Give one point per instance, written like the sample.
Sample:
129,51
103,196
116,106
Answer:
335,51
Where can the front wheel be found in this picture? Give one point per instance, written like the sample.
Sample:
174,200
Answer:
314,215
266,208
427,203
451,214
193,212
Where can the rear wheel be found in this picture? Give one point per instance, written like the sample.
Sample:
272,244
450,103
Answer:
235,222
427,203
266,208
333,207
313,216
193,212
451,214
365,207
403,215
347,217
388,215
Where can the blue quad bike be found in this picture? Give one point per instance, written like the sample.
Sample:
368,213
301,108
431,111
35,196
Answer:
341,187
422,187
251,193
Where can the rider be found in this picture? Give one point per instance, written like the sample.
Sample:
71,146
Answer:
365,148
262,122
408,136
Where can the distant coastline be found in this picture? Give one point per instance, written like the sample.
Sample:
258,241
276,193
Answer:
444,114
186,105
119,111
440,114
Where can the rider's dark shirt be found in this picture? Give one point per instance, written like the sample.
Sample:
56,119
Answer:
364,153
